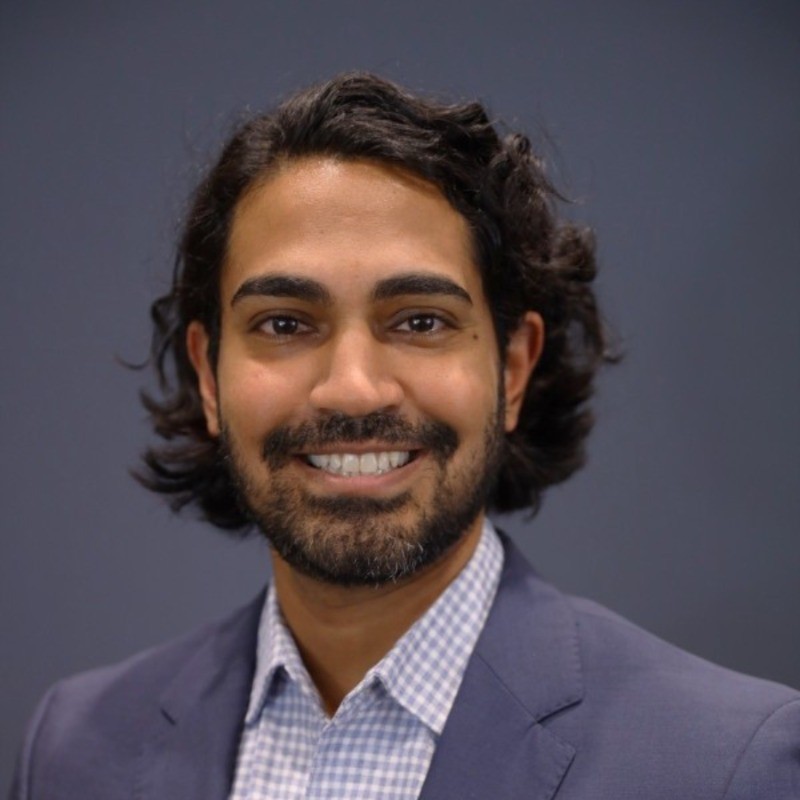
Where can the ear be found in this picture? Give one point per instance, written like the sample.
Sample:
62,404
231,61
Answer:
197,341
522,353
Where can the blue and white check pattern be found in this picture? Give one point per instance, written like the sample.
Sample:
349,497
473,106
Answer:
380,742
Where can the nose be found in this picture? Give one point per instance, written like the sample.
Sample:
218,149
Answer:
355,376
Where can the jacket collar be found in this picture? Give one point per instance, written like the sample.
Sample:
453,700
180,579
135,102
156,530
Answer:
525,667
191,754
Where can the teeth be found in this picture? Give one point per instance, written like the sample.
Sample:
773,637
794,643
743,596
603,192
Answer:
368,464
349,464
352,465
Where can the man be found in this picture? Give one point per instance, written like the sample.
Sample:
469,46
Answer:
378,329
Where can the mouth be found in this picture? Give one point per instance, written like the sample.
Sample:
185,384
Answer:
355,465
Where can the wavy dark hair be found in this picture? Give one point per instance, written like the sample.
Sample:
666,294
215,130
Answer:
529,259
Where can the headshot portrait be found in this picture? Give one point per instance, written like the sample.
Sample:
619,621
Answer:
402,403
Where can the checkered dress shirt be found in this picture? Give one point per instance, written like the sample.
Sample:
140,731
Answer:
380,742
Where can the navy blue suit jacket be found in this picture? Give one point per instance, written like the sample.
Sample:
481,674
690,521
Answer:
561,699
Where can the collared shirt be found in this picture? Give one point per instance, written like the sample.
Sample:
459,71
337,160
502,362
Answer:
380,742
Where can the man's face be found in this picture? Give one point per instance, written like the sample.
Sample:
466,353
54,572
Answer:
358,392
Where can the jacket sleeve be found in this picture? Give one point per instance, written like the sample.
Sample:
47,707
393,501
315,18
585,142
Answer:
769,767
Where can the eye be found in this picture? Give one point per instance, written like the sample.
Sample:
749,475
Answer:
423,323
282,325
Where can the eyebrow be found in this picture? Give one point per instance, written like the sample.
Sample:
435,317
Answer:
410,283
418,283
283,286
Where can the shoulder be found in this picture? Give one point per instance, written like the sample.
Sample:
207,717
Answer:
94,723
612,644
638,711
675,707
123,688
618,658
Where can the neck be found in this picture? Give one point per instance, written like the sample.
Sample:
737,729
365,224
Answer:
341,632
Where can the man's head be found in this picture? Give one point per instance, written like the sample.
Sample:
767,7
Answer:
364,265
356,385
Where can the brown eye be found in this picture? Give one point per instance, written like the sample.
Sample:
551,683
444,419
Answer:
282,325
423,323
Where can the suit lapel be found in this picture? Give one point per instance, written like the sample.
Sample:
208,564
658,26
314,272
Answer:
192,752
525,668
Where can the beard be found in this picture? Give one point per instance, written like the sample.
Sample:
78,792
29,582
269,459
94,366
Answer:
366,541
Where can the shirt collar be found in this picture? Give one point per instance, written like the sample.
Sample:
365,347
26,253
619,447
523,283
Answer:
423,671
276,653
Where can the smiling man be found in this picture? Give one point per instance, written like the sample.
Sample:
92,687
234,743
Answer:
378,330
350,300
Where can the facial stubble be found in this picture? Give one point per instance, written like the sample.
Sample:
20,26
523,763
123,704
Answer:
367,541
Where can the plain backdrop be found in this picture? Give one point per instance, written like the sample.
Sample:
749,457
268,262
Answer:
676,127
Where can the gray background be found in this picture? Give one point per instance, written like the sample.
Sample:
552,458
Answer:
676,125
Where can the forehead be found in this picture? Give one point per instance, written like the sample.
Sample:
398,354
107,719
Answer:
349,225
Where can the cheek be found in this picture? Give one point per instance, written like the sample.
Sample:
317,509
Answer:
463,395
254,400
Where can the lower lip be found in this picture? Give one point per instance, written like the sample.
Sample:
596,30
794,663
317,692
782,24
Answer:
360,484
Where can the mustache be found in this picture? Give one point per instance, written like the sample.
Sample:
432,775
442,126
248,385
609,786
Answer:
437,437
